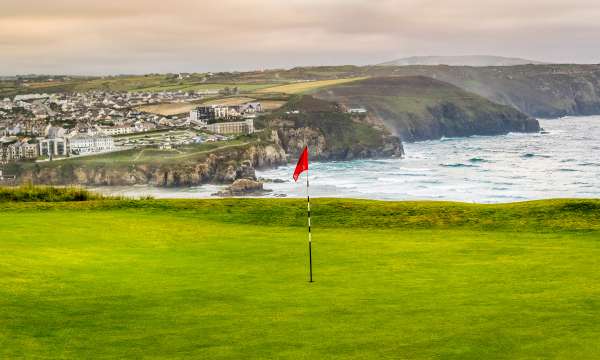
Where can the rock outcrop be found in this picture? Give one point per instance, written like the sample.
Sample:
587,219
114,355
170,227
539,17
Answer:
243,187
330,132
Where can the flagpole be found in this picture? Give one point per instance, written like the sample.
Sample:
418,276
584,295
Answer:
309,234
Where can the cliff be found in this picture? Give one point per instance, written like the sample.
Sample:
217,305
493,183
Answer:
546,91
421,108
219,166
329,132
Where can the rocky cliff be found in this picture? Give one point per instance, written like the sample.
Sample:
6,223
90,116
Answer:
329,131
329,134
421,108
220,166
545,91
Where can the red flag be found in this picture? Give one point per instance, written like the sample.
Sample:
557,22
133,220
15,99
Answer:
302,164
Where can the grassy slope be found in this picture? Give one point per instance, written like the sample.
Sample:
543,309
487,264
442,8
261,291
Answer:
303,87
150,83
418,108
226,279
203,86
342,134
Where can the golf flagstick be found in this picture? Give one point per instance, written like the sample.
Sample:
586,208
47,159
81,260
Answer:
309,234
301,167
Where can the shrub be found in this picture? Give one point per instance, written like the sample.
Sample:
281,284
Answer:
31,193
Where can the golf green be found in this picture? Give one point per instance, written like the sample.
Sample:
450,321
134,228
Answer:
227,279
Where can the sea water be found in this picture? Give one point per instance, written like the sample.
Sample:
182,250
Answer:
562,161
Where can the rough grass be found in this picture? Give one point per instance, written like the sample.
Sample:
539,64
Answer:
226,279
230,101
204,87
144,155
30,193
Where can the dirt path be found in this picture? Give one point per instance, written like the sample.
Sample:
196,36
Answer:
139,155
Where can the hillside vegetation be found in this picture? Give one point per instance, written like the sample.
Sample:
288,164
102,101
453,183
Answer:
421,108
542,90
30,193
329,131
227,279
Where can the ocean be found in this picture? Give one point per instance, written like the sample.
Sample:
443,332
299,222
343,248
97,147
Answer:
561,162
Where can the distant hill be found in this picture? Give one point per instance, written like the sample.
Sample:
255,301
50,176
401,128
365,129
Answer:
469,60
422,108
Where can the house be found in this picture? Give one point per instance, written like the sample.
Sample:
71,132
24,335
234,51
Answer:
28,151
117,130
141,126
19,150
249,110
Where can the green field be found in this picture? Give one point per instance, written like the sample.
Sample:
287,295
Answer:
142,155
204,87
149,83
306,86
227,279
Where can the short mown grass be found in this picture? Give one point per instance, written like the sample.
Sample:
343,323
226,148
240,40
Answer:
227,279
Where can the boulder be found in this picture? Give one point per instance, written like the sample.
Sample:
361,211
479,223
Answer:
243,187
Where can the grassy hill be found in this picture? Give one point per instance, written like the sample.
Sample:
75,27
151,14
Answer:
226,279
307,86
420,108
149,83
543,90
330,132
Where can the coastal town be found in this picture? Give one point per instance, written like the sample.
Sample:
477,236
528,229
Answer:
48,127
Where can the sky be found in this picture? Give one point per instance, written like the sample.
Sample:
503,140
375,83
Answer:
156,36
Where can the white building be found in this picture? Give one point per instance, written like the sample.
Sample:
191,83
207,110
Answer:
196,117
53,147
232,127
118,130
86,144
357,111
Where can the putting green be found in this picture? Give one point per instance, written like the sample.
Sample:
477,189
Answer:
227,279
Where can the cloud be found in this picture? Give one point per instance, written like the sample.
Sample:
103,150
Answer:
138,36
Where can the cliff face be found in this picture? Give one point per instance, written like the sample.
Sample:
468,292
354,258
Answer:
420,108
545,91
322,148
218,167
